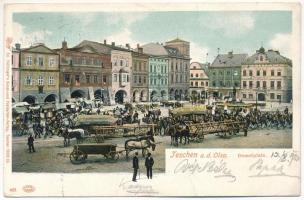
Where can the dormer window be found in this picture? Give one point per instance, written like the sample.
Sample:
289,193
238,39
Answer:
261,58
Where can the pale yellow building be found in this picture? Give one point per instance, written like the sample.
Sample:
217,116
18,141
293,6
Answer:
266,77
39,74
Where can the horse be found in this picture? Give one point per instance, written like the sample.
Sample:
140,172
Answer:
68,134
142,143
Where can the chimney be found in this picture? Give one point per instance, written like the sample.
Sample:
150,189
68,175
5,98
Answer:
137,46
104,41
64,45
140,50
128,45
113,44
17,46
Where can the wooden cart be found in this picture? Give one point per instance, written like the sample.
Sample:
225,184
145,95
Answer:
81,151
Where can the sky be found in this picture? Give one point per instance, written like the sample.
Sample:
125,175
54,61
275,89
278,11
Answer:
208,32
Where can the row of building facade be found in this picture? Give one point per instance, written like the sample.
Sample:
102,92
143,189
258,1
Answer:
92,70
263,76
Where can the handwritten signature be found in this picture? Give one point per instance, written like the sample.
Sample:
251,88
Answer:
136,188
218,168
261,169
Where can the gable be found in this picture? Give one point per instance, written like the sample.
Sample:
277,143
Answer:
87,49
40,49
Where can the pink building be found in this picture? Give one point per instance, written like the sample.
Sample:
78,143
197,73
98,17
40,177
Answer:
15,73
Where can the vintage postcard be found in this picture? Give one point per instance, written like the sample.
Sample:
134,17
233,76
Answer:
152,99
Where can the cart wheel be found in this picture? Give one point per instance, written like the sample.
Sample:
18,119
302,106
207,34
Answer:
77,157
114,155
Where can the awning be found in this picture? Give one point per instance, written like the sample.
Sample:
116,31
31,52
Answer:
20,110
20,104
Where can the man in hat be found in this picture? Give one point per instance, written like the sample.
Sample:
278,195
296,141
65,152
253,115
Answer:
135,166
30,143
149,164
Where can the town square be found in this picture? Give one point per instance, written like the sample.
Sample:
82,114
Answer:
87,104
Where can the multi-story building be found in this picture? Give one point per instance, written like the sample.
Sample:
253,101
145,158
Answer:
158,78
39,74
15,73
177,52
140,71
158,71
267,76
179,61
199,80
84,72
225,75
119,72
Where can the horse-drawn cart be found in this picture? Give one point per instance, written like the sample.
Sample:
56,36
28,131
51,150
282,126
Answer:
81,151
221,128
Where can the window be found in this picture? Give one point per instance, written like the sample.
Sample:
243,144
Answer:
83,61
279,73
124,78
214,73
228,72
279,97
250,84
28,80
258,73
154,68
150,68
191,75
29,60
121,62
250,96
181,78
104,78
257,84
244,96
191,83
264,73
244,72
196,75
95,79
52,62
40,61
206,83
88,78
165,69
139,79
40,89
261,58
244,84
166,81
51,80
172,78
221,83
162,69
221,73
272,72
145,80
202,83
250,72
115,77
271,84
40,80
67,78
196,84
264,84
271,95
213,83
77,79
228,83
162,81
279,85
236,84
176,78
135,79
